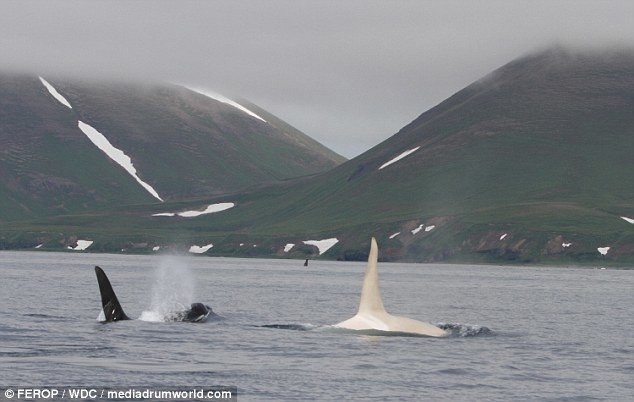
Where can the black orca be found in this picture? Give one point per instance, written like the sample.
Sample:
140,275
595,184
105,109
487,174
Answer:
198,312
111,307
113,311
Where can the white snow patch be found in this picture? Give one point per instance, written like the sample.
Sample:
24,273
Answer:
39,246
503,236
200,249
224,99
395,234
55,94
430,228
630,220
323,245
288,247
115,154
81,245
156,248
398,158
212,208
603,250
241,244
418,229
566,245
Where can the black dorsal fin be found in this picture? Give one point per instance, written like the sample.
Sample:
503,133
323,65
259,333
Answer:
111,307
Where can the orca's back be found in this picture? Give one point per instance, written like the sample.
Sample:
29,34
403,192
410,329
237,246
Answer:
198,313
111,307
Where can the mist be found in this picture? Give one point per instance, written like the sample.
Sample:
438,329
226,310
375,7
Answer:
349,74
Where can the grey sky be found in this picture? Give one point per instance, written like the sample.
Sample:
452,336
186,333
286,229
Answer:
348,73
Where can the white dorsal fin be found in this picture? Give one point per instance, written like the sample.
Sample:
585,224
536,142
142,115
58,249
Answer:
371,302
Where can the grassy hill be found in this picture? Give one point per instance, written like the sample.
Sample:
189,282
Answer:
182,143
530,164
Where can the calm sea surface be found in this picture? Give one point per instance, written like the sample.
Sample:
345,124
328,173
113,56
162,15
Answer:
519,333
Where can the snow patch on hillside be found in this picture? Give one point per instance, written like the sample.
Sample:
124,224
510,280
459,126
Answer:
212,208
625,218
115,154
81,245
398,158
288,247
394,235
323,245
200,249
603,250
55,94
224,99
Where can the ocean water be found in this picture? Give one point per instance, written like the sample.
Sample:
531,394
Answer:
519,333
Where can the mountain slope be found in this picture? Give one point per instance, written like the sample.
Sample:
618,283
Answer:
540,149
530,164
46,163
293,134
181,143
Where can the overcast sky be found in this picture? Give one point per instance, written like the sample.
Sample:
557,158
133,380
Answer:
348,73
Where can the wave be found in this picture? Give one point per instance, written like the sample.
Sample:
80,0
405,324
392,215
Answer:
292,327
45,316
465,330
173,316
455,329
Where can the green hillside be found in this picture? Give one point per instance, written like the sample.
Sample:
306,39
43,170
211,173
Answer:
181,143
47,166
530,164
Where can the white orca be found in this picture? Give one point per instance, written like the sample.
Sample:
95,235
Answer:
113,311
372,314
